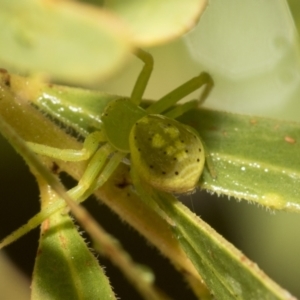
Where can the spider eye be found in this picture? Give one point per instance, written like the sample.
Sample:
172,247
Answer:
166,153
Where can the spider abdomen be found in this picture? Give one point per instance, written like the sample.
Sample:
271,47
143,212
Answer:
167,154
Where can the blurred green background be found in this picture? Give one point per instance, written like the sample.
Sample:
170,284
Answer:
251,48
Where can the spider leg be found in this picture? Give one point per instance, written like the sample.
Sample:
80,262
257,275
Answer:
90,146
93,169
181,109
142,80
109,168
185,89
85,187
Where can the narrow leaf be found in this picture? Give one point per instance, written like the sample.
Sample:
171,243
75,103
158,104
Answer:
65,268
128,206
255,158
226,271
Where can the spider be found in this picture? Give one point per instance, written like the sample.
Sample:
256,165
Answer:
163,152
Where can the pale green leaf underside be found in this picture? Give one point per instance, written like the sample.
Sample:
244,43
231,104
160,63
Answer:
156,21
65,268
68,41
82,44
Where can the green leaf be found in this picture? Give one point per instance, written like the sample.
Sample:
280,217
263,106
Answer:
227,272
76,108
79,43
255,158
66,40
32,125
215,134
156,21
65,268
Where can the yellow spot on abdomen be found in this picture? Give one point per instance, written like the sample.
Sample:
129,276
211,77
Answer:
181,156
179,145
158,141
173,132
170,150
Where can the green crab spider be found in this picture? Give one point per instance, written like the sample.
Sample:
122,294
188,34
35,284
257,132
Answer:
163,152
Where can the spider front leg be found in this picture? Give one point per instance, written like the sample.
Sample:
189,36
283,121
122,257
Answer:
90,146
89,150
166,102
143,78
98,171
